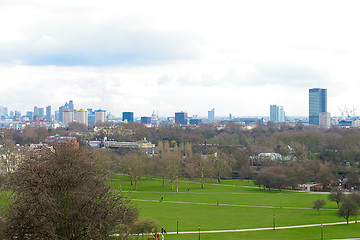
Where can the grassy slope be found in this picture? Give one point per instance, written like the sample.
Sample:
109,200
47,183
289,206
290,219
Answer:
213,217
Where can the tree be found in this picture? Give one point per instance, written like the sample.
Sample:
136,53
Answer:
347,208
319,203
355,196
222,163
144,225
336,195
63,195
175,163
135,165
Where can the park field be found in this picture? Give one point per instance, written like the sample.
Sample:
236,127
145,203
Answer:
233,205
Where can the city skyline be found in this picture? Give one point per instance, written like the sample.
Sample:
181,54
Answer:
144,57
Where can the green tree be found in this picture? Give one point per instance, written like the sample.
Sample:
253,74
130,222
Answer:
63,195
347,209
336,195
318,204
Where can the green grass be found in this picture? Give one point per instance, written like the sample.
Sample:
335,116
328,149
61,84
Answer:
210,216
311,233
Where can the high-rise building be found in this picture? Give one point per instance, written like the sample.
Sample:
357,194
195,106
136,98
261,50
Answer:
82,116
128,116
36,112
211,115
277,113
100,116
181,118
48,113
317,104
61,109
71,105
3,111
68,116
30,115
41,113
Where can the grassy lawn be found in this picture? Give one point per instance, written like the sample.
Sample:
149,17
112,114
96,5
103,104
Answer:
199,207
311,233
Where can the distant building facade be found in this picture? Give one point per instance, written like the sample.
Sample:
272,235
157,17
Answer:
48,113
317,104
211,115
128,116
324,119
181,118
146,120
58,141
100,116
277,113
82,117
68,116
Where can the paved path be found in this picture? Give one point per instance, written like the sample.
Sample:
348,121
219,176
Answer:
261,229
231,205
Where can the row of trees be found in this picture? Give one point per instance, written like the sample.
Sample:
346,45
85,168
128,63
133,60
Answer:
179,161
182,161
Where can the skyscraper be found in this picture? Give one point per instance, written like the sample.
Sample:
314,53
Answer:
48,113
41,113
61,109
211,115
277,113
71,105
317,104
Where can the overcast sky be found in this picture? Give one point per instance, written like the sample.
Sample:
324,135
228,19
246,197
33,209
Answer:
238,57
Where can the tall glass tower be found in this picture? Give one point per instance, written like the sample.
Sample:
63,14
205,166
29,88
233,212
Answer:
277,113
317,104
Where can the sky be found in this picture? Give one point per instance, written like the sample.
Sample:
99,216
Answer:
238,57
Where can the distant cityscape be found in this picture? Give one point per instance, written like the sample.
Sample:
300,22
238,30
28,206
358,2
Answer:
67,114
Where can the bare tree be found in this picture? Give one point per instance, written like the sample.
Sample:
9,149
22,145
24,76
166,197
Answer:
63,195
135,165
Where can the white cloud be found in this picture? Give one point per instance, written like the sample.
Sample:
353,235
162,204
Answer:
236,56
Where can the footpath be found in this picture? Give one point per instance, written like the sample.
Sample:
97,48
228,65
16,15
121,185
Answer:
262,229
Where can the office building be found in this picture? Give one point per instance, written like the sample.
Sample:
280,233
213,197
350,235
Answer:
277,113
61,109
317,104
211,115
30,115
71,105
82,116
181,118
3,111
128,116
100,116
48,113
41,113
36,112
68,116
146,120
194,121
